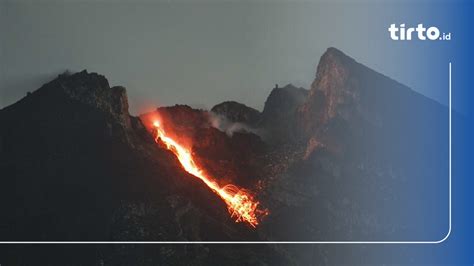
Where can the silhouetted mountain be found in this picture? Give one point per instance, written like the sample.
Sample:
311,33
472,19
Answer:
278,116
331,163
237,113
351,108
76,166
368,140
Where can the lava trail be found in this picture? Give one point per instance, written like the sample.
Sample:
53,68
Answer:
240,203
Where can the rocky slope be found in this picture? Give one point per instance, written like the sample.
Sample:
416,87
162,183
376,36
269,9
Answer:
330,163
229,158
76,166
367,140
237,113
279,112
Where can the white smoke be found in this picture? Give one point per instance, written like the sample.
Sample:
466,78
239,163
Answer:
225,125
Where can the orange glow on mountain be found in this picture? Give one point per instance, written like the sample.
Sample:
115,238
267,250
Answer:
242,206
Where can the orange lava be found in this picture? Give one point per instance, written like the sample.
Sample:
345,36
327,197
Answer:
241,205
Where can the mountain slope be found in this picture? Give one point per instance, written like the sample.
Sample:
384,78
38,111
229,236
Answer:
371,146
79,165
346,160
279,113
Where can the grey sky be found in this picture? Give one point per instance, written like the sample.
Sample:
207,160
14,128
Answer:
201,53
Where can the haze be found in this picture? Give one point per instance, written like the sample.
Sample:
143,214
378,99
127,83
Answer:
202,53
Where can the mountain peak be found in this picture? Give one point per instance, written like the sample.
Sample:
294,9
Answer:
333,52
279,112
91,89
282,99
84,78
237,112
332,82
348,90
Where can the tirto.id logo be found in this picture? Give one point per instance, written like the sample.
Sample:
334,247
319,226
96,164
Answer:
401,33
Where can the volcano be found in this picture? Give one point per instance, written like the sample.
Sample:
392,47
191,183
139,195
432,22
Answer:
316,164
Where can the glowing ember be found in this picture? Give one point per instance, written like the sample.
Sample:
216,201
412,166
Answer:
240,204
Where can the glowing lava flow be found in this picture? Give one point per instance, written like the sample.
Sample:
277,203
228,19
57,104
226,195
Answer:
240,204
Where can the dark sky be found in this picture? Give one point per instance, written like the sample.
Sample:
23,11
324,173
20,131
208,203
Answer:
200,53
